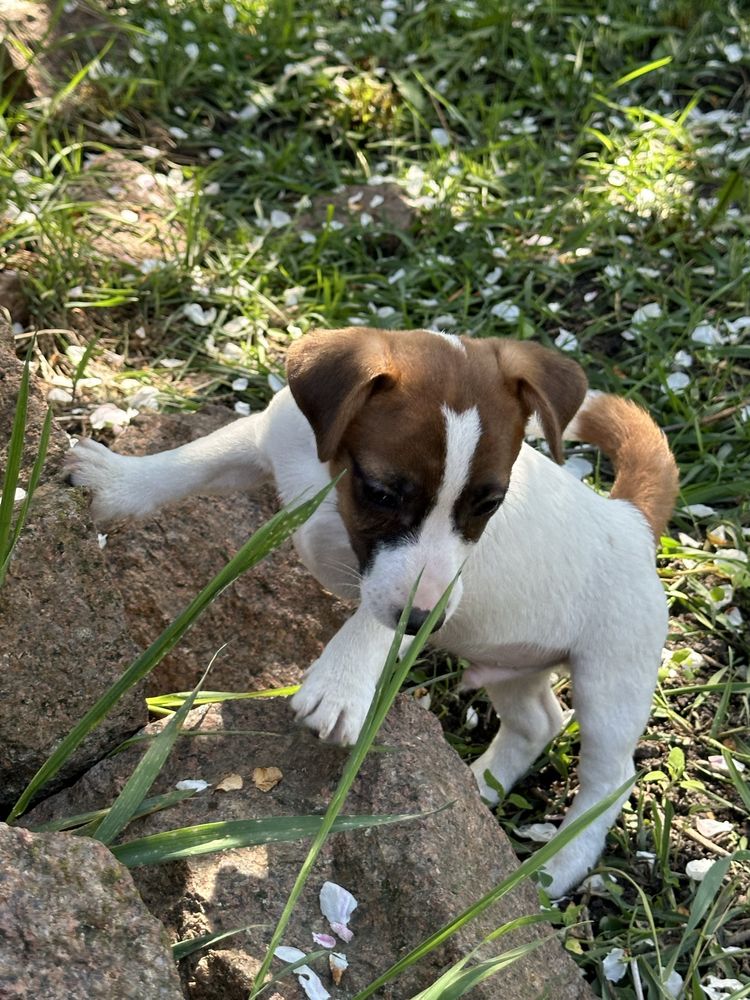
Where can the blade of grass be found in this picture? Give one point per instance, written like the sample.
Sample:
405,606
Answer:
209,838
642,70
36,473
528,867
457,982
13,461
147,771
170,702
181,949
87,819
392,677
264,540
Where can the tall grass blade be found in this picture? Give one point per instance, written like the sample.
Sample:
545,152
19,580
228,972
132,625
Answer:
209,838
528,867
456,983
268,537
392,677
642,70
89,821
147,771
36,474
181,949
13,462
171,702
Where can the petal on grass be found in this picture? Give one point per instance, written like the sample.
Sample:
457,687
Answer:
613,966
540,833
710,828
697,870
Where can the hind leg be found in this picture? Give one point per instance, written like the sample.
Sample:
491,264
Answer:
530,716
611,719
232,458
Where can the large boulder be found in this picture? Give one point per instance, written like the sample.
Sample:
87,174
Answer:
64,635
409,879
72,924
276,618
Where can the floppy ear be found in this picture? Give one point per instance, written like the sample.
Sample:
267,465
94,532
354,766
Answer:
332,373
547,383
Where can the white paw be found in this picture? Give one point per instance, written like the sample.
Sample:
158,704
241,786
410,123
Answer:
332,705
116,492
478,768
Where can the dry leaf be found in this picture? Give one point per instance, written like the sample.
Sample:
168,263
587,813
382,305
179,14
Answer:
231,783
266,778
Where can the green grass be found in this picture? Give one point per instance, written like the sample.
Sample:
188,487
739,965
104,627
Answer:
564,165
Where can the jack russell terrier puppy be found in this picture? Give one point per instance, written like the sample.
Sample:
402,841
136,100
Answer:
430,429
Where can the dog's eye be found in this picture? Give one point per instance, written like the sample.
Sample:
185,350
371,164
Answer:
487,506
379,496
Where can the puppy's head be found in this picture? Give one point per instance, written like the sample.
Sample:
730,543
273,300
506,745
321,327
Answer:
428,427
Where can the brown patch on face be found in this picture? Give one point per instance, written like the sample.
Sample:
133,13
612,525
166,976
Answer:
375,400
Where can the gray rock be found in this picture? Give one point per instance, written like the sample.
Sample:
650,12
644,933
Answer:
276,618
65,639
409,878
72,924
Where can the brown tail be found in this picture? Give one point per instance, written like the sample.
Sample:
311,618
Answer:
646,472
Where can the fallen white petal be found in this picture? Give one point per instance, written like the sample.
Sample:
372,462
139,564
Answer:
683,360
706,334
698,510
101,540
613,966
240,384
171,362
198,315
275,383
541,833
711,828
308,980
506,311
279,219
697,870
109,415
324,940
578,466
734,617
192,784
242,407
651,310
343,931
396,276
56,395
337,905
678,381
440,137
717,988
566,340
718,763
338,964
673,985
471,719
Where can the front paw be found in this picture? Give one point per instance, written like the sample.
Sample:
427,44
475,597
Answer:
331,705
116,492
487,791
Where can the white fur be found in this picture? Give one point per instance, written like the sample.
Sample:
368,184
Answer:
558,567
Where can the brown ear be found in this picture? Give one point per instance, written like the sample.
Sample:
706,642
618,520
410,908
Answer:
331,375
547,383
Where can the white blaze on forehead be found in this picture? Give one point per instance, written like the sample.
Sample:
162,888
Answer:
451,338
462,432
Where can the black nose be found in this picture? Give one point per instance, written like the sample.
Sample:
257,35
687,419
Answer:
417,618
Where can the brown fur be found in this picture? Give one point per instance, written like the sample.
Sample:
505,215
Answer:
646,472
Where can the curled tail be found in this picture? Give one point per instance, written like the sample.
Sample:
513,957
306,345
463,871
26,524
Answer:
646,473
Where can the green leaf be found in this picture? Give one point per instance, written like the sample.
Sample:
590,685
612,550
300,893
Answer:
642,70
268,537
13,463
208,838
457,981
91,819
181,949
147,771
393,675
